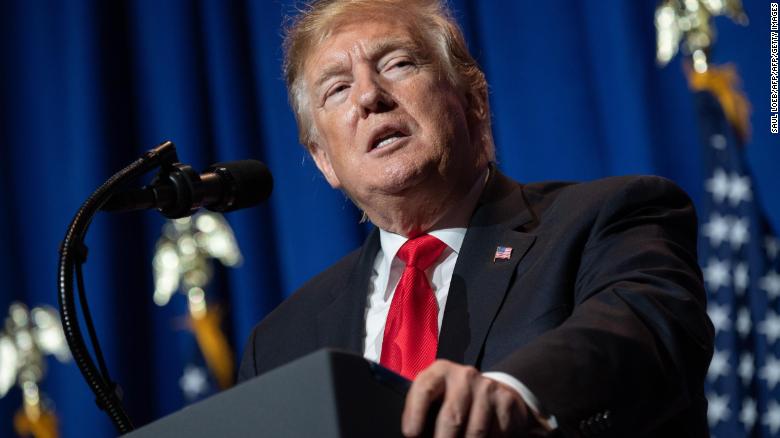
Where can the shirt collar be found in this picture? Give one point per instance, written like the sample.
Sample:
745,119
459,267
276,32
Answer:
452,237
391,242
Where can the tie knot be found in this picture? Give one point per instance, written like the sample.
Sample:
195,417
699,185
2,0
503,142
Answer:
421,251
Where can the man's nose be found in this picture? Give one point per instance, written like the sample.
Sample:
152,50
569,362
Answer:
371,96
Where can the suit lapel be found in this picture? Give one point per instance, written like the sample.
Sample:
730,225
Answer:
342,323
479,283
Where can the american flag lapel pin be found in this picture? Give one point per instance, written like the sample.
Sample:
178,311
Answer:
502,253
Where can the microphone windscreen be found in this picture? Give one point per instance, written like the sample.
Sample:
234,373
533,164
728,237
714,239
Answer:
250,183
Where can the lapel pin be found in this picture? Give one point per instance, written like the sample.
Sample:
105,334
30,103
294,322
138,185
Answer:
502,253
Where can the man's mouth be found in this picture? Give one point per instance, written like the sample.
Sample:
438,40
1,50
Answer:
387,137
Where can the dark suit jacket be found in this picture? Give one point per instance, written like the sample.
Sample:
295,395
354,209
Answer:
600,310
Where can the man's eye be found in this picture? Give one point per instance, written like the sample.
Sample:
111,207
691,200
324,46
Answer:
402,63
336,90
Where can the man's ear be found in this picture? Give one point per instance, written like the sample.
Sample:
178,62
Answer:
322,160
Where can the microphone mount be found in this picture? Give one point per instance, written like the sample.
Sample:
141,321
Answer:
177,191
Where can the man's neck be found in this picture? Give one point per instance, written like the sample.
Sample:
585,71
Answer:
456,213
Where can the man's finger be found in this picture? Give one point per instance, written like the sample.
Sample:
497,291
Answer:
454,412
481,414
509,410
426,388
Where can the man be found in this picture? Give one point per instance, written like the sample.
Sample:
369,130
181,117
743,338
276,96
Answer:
569,307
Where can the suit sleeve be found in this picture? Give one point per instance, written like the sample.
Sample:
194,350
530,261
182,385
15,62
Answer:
633,353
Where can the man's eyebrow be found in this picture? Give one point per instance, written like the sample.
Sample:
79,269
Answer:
330,70
379,48
373,51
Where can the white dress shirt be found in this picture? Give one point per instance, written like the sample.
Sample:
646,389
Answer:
384,279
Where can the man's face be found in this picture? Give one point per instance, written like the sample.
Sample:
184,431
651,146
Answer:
386,118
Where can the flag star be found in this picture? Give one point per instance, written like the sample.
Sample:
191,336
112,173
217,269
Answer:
738,234
718,185
770,372
717,229
771,417
748,414
744,323
718,408
716,274
719,365
719,316
770,283
746,368
770,326
741,278
193,382
739,189
771,246
718,141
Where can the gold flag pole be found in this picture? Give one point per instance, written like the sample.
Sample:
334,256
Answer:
687,24
182,263
26,339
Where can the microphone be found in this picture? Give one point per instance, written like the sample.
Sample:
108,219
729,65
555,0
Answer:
178,191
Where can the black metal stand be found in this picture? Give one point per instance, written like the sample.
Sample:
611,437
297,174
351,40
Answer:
73,254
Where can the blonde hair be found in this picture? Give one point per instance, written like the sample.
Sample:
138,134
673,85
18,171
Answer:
431,24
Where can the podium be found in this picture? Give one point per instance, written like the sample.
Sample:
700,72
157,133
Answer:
327,394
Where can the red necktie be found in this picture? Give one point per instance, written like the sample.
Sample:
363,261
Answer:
412,329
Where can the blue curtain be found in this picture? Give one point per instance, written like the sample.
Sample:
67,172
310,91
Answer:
86,86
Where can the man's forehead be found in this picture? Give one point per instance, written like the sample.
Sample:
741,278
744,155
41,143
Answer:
364,41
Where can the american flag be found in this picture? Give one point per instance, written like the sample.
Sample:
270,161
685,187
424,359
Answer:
739,260
502,253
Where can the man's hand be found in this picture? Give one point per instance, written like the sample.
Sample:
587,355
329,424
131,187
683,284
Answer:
472,405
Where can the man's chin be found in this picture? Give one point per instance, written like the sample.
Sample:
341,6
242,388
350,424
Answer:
403,188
